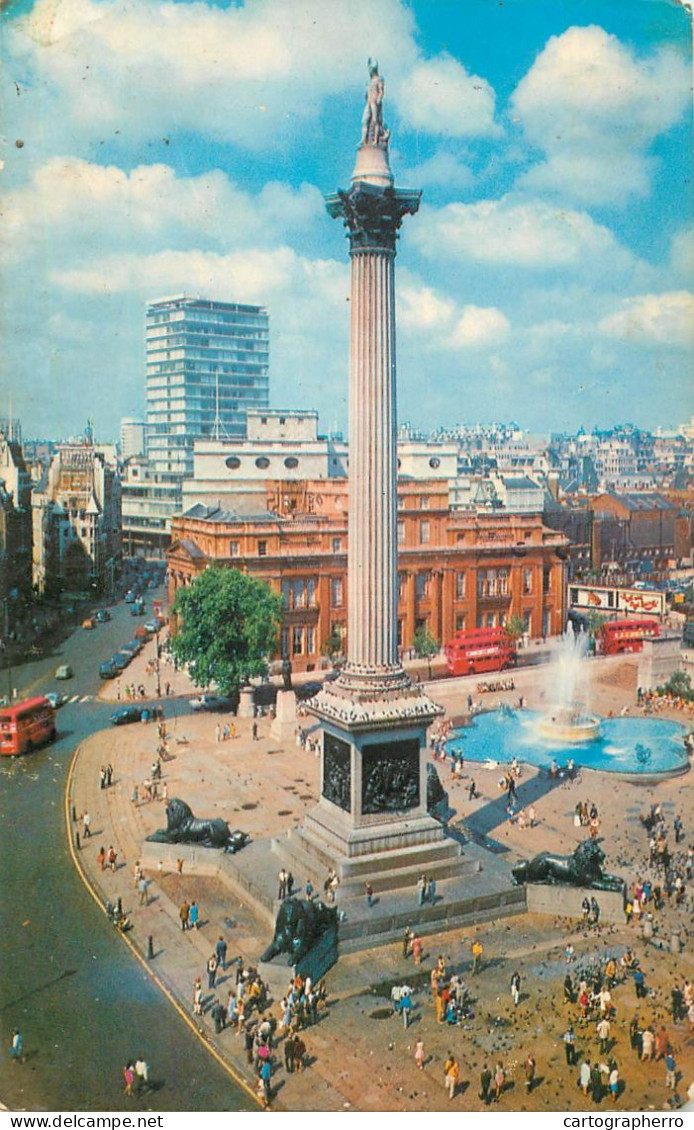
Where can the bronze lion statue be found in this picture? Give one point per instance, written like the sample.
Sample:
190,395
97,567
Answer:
184,828
298,927
582,869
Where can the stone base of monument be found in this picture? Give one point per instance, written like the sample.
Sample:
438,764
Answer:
315,964
246,707
544,898
284,723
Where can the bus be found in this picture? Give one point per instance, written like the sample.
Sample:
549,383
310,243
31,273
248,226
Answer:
617,636
26,725
480,649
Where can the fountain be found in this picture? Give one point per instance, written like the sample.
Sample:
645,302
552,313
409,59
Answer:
568,720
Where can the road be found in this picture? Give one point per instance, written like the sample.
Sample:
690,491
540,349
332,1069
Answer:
82,1002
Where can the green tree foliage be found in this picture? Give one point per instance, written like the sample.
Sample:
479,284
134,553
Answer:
514,626
333,647
228,627
679,685
425,646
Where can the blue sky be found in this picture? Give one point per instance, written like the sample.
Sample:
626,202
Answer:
164,148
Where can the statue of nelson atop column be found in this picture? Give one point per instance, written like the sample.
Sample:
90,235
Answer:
373,132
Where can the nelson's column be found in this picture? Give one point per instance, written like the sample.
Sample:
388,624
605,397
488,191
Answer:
371,819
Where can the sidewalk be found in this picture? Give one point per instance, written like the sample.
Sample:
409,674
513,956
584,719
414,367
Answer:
361,1057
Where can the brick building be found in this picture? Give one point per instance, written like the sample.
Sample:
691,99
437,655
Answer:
457,568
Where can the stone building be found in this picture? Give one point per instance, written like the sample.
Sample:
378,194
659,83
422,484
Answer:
15,534
76,522
456,568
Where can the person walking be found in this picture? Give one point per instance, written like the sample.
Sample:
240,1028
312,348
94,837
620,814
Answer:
451,1075
369,892
584,1077
212,965
101,858
282,884
111,858
194,916
221,951
184,913
431,891
569,1038
515,988
289,1053
670,1071
417,949
419,1054
142,891
129,1076
421,889
405,1007
86,826
17,1046
477,951
141,1074
603,1030
530,1067
485,1085
254,731
197,997
613,1082
406,942
499,1081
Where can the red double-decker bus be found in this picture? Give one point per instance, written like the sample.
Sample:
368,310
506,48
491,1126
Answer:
480,649
626,635
26,725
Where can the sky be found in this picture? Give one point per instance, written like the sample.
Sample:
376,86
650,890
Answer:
159,148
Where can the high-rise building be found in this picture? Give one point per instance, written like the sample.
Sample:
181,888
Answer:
132,438
207,364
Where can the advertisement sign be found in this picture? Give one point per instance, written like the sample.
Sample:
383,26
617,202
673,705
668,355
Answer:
616,601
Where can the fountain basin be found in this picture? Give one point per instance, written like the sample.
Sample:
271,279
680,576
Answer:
569,727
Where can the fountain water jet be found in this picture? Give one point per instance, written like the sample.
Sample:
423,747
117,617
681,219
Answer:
569,719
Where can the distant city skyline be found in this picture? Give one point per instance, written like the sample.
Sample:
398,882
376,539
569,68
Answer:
547,278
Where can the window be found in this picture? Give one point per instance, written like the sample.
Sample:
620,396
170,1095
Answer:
503,582
291,461
336,593
401,533
527,581
282,420
286,594
311,592
546,578
434,462
297,641
424,532
337,545
310,640
262,549
298,594
285,641
262,462
459,586
401,586
491,620
422,585
424,502
233,462
460,622
399,637
234,548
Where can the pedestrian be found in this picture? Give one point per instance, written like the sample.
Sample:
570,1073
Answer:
183,914
101,858
451,1075
477,951
290,884
109,775
421,889
142,891
499,1081
515,988
431,891
265,1079
584,1077
282,884
254,731
218,733
194,916
179,866
111,858
129,1076
570,1046
485,1085
406,942
613,1082
309,890
221,952
299,1053
218,1014
197,997
417,949
17,1046
141,1074
369,892
670,1071
419,1054
86,826
405,1007
678,828
530,1066
211,970
603,1030
289,1053
472,791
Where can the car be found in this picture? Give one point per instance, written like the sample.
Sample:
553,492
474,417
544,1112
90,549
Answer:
88,624
134,645
237,840
153,626
126,715
129,597
103,616
64,671
56,699
211,702
121,660
108,670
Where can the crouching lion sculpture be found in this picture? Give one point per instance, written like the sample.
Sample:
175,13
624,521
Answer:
582,869
299,925
184,828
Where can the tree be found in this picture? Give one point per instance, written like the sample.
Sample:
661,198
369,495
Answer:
425,646
333,646
515,626
228,627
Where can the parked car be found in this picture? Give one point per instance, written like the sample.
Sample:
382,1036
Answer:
64,671
120,660
108,670
129,597
138,607
56,699
88,624
153,626
134,645
126,715
103,616
212,702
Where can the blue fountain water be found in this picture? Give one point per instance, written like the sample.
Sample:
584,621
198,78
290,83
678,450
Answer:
624,745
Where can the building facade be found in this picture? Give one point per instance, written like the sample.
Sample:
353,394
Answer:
457,569
207,364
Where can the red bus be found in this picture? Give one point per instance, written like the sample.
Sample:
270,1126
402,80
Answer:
26,725
626,635
480,649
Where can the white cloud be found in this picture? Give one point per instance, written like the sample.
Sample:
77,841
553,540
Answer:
654,319
438,96
479,327
530,234
594,108
420,308
442,170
